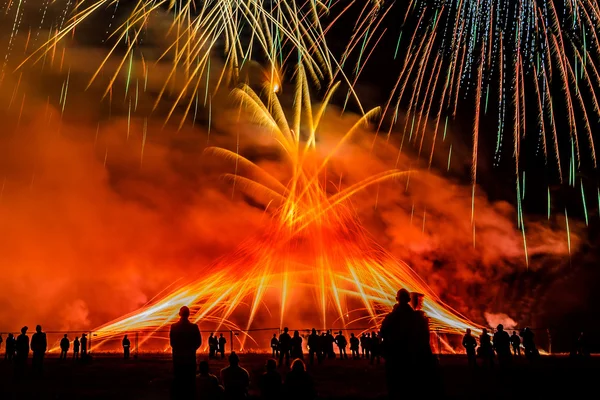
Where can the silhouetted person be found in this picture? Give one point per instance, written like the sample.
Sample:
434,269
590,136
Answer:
285,346
207,384
375,347
323,345
185,340
22,353
582,346
221,346
354,346
296,350
274,346
397,333
39,345
126,347
469,343
299,385
236,379
76,346
314,347
270,384
329,341
531,351
83,342
9,347
213,344
1,340
64,347
486,352
502,345
515,341
364,344
342,343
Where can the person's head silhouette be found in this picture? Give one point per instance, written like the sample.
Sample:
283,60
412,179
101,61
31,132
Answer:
271,365
500,328
352,335
184,312
24,330
314,331
403,296
285,330
203,368
298,366
234,360
468,331
65,336
296,334
38,328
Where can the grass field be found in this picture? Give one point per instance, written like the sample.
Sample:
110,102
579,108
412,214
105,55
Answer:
149,377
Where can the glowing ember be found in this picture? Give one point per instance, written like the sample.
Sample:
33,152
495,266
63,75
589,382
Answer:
313,263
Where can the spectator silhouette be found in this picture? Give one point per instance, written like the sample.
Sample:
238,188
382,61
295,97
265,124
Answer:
296,351
582,346
1,340
271,387
213,344
76,346
274,346
299,384
502,345
469,343
221,343
342,343
515,341
236,379
39,344
83,342
285,346
185,340
126,347
531,351
207,384
329,341
22,349
486,352
314,347
354,346
64,347
397,332
364,344
323,345
9,349
375,347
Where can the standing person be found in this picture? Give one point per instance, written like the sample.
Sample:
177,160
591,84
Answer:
502,345
185,340
39,344
213,343
64,347
1,340
299,385
364,344
375,347
515,341
342,343
126,347
314,347
531,351
221,345
270,385
9,349
354,346
486,352
296,351
22,349
330,340
469,343
274,346
83,342
285,346
323,345
76,346
397,332
236,379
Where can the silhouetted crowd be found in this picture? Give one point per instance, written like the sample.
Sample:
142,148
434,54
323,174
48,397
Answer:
403,341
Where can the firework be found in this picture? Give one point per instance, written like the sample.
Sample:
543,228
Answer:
313,257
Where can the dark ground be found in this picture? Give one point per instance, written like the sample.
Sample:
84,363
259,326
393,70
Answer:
110,377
